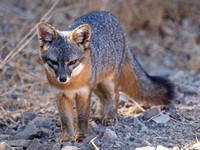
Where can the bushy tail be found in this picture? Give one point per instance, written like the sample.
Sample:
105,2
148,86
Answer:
136,84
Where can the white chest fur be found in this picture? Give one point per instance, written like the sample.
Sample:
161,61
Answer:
77,70
72,93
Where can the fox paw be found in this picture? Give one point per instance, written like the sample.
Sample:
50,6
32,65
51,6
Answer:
108,121
80,137
69,138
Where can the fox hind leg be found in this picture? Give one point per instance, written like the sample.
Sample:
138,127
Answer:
108,98
112,104
101,103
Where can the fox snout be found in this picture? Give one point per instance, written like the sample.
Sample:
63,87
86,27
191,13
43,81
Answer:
63,79
63,74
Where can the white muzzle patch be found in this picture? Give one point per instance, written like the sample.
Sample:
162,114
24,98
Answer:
77,70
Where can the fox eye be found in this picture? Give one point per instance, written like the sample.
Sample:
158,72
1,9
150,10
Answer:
72,62
53,64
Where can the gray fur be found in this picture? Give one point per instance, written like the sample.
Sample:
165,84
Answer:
107,40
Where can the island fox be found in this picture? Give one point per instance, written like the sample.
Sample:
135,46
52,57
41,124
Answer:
92,55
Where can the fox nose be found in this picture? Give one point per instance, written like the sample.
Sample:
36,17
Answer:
63,79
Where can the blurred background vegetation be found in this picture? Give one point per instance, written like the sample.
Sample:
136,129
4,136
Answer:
165,36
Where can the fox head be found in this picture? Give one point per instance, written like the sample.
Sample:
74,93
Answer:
63,52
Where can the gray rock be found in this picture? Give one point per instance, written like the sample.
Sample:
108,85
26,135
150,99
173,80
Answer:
187,90
162,118
46,132
56,146
118,143
136,123
35,144
109,134
2,123
146,143
42,122
4,137
28,116
29,132
70,148
93,124
19,143
152,112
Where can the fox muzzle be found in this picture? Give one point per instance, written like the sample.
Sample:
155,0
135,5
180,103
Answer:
63,79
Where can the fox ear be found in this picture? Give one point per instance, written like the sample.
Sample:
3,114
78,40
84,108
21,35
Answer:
81,35
46,33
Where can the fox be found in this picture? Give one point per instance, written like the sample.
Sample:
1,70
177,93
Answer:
92,56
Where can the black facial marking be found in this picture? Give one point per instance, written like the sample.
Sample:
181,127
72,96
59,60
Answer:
72,62
53,64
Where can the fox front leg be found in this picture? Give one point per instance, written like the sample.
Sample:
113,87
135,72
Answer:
65,108
82,115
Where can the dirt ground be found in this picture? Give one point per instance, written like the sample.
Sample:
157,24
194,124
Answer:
165,37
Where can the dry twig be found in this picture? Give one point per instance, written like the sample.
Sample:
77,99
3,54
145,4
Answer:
24,40
17,88
137,104
92,142
6,115
16,10
185,119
